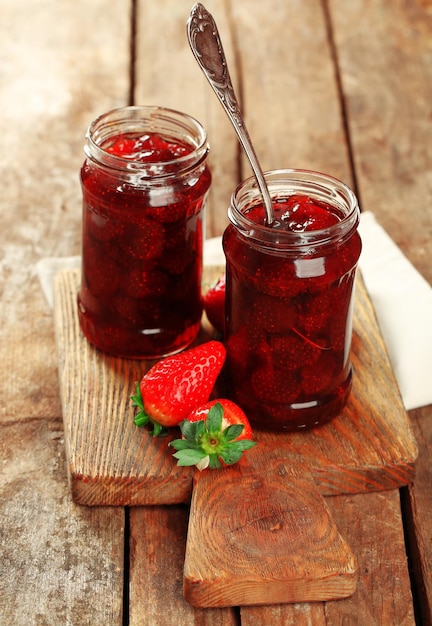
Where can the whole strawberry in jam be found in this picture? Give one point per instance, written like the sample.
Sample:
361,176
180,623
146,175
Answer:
149,147
302,213
297,214
177,385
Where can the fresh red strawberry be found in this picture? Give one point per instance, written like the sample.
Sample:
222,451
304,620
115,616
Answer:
214,435
177,385
214,304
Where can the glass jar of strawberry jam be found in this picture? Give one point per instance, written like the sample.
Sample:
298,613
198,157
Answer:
144,182
289,299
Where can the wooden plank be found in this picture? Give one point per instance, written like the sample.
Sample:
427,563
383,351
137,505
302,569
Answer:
290,95
56,79
158,539
373,524
417,505
375,529
385,60
368,447
60,563
377,540
298,614
312,95
261,533
295,35
168,75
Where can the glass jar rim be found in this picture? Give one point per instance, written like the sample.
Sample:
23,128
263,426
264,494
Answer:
284,182
170,123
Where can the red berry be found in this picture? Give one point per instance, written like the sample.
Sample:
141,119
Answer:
215,434
214,304
143,241
273,385
290,352
101,272
316,378
139,283
232,414
300,213
178,384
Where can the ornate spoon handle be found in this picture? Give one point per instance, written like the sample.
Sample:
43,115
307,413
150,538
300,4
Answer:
207,48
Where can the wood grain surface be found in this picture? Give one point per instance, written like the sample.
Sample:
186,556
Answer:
261,533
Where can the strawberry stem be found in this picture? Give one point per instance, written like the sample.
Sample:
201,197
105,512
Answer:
143,419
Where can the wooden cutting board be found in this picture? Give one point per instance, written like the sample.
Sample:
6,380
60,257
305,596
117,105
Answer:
259,532
369,447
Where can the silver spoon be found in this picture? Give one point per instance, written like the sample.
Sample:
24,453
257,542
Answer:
207,48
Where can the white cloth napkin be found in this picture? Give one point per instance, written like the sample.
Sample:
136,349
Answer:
403,304
47,268
401,296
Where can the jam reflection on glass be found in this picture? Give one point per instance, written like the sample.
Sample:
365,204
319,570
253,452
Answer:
142,252
289,320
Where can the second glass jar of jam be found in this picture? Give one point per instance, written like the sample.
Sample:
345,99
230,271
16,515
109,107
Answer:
144,182
289,299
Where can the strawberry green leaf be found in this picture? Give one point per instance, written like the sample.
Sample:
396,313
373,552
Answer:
184,444
141,418
137,398
243,444
230,456
192,431
233,451
189,457
159,430
214,462
214,418
233,431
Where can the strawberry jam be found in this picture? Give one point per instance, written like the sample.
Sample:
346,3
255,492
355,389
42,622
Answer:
289,299
144,185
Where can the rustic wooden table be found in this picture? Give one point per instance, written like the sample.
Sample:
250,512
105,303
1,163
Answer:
341,87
